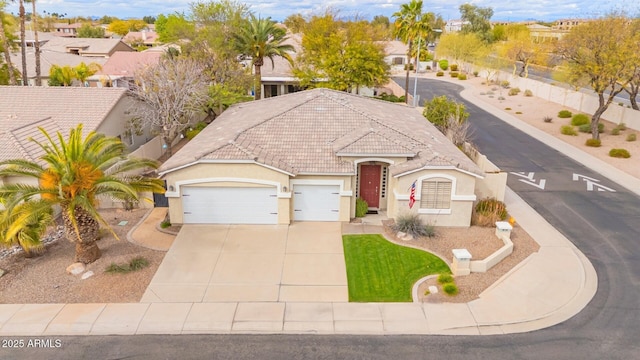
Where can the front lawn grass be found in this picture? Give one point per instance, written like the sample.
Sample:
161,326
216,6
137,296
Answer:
379,271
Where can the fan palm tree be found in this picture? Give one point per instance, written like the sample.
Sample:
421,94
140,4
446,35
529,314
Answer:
6,45
410,25
72,173
24,224
260,38
23,44
84,71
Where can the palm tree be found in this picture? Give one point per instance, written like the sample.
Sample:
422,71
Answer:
260,38
34,26
6,45
75,173
23,44
84,71
61,76
24,223
410,24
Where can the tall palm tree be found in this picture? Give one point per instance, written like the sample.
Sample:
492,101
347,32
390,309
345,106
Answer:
260,38
75,173
34,26
23,44
6,45
410,24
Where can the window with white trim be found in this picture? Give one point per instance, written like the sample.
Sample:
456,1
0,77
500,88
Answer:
435,193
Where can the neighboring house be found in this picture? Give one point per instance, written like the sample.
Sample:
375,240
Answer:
30,38
87,46
307,157
66,30
47,59
396,54
278,79
454,25
120,68
23,109
147,38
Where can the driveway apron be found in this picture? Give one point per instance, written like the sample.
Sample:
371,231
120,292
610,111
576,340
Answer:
253,263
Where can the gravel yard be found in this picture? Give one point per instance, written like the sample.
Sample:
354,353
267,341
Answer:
44,279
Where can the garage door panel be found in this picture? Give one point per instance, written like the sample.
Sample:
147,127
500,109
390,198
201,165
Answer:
316,202
210,205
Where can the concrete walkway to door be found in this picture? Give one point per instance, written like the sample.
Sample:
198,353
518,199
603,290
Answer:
253,263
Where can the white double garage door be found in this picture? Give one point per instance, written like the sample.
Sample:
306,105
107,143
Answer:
257,205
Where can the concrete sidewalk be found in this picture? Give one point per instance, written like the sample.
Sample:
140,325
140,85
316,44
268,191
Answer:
547,288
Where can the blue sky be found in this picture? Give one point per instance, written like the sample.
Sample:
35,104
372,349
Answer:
546,10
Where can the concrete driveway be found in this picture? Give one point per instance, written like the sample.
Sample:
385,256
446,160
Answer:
275,263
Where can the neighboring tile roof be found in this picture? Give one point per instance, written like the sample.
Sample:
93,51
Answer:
307,132
146,36
126,63
25,108
88,45
49,58
395,47
281,67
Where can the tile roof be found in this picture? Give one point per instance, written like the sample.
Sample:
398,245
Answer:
25,108
88,45
281,67
126,63
49,58
147,37
308,132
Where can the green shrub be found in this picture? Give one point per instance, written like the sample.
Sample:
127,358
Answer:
411,223
593,142
440,73
444,64
475,74
514,91
586,128
619,153
361,207
615,131
547,119
133,265
410,66
138,263
507,108
165,224
528,93
454,67
518,112
391,98
568,130
450,289
631,137
580,119
462,77
445,278
564,114
621,126
195,130
454,74
505,84
501,98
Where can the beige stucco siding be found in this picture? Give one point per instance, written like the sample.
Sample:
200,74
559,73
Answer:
229,175
116,121
462,197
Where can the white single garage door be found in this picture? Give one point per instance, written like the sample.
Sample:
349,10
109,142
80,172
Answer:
316,202
229,205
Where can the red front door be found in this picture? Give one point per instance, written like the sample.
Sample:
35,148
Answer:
370,184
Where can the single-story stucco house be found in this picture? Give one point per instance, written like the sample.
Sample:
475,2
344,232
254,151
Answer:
307,156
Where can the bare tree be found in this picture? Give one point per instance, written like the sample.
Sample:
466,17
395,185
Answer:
6,46
34,26
174,94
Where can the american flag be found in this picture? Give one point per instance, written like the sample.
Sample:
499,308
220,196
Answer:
412,195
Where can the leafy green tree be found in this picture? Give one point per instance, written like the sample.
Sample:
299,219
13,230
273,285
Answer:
5,44
84,71
461,47
340,55
295,23
174,27
410,25
107,19
24,224
449,117
604,53
478,20
258,39
61,75
89,31
122,27
149,19
72,173
521,48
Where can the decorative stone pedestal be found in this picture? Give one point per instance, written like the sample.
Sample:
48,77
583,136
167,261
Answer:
503,228
461,262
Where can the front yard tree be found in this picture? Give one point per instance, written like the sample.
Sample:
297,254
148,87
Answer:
521,48
72,173
602,52
449,117
173,94
410,25
340,55
258,39
461,47
24,224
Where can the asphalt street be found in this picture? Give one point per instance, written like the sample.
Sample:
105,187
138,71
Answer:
597,215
